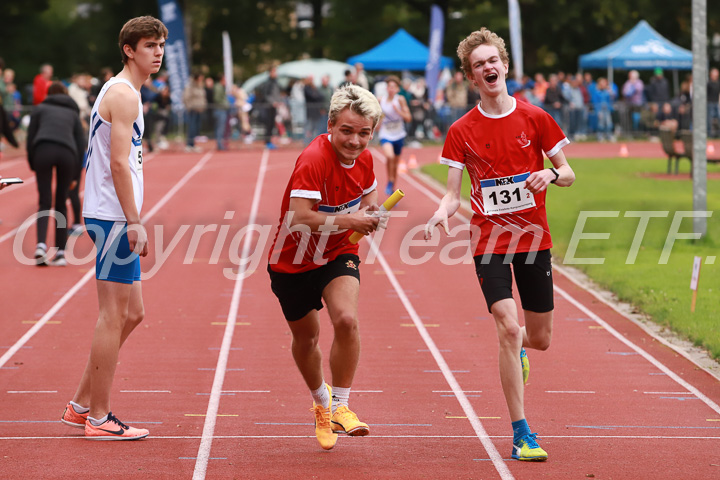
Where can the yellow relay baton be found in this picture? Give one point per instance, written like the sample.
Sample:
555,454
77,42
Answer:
385,207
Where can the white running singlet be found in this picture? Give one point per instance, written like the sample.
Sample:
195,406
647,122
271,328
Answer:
393,126
101,201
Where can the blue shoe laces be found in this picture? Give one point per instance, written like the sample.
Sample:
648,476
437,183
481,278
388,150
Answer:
530,440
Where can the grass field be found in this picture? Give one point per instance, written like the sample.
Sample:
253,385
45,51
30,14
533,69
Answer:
614,197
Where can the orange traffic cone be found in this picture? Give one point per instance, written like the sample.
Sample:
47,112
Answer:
710,150
402,167
623,151
412,163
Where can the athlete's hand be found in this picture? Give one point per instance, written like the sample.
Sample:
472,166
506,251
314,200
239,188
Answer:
539,181
382,215
440,217
137,238
364,222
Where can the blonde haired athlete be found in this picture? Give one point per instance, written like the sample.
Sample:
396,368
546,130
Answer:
311,259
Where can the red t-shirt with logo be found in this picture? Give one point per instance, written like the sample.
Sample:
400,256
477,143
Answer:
337,189
498,151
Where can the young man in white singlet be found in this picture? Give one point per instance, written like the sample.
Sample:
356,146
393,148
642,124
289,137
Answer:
112,218
392,129
501,143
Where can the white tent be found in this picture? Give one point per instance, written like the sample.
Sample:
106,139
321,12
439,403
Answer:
317,67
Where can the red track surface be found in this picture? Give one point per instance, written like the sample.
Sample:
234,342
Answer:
628,417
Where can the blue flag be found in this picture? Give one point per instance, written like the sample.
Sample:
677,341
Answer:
432,69
176,58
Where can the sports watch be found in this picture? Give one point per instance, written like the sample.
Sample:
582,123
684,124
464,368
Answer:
557,175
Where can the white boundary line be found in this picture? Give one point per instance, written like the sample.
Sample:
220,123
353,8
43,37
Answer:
714,406
203,454
376,437
81,283
639,350
480,432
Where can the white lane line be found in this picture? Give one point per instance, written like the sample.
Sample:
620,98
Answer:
639,350
214,402
246,391
145,391
91,273
607,326
445,369
668,393
390,437
568,391
32,391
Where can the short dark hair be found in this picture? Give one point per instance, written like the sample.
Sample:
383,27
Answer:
137,28
56,87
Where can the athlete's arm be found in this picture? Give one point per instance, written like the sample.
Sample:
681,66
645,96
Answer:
303,214
404,109
119,107
448,205
539,181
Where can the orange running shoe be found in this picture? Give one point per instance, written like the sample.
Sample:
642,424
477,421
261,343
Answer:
344,420
71,418
113,429
323,428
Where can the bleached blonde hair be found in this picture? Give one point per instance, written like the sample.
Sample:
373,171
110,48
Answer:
358,100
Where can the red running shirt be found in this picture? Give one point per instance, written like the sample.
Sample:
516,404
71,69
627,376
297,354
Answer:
504,147
337,189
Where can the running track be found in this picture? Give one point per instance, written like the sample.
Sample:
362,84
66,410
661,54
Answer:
209,371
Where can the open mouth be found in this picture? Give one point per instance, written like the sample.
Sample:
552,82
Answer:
491,78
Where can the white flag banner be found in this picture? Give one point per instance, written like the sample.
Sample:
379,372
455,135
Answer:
227,62
516,38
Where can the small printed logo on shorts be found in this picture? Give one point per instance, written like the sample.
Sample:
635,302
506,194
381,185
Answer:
548,274
351,264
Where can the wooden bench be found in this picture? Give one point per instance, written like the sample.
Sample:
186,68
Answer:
667,139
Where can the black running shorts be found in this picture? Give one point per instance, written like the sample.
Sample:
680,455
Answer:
300,293
533,277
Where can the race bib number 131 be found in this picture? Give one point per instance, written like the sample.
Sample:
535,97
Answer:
506,194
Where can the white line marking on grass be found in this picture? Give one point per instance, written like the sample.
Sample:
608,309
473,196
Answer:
91,273
445,369
214,402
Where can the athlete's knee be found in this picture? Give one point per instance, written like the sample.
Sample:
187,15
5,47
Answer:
540,340
136,317
345,323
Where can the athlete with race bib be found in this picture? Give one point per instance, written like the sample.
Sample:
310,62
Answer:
113,200
501,143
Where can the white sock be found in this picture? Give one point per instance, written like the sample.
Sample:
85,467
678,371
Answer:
78,408
321,395
340,396
97,422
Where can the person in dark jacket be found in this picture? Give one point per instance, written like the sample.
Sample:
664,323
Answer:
55,140
6,127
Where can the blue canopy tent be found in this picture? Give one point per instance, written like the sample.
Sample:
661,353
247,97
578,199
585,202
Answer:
642,48
401,51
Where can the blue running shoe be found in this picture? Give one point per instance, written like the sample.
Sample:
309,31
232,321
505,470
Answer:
525,365
390,188
527,449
